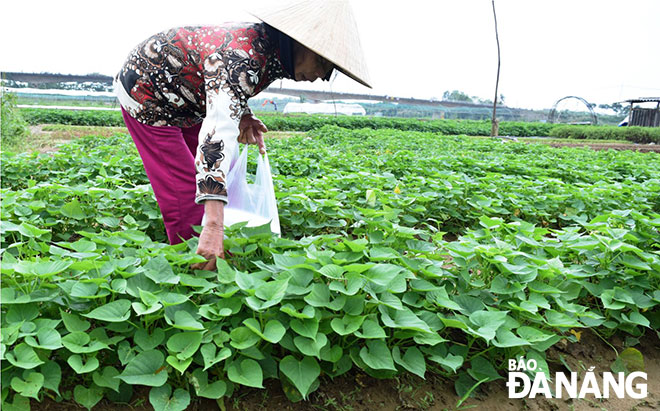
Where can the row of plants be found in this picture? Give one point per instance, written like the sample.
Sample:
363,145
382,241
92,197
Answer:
278,122
95,303
641,135
447,186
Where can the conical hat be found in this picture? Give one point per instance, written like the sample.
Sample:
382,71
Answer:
326,27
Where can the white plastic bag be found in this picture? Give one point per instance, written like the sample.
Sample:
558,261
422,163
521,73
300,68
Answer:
254,203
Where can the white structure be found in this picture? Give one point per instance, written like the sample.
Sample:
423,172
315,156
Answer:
325,108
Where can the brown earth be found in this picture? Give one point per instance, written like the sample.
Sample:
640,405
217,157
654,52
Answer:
645,148
46,137
356,391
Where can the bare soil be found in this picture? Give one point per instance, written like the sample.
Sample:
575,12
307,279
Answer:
45,138
356,391
645,148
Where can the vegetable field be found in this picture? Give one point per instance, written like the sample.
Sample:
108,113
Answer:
402,252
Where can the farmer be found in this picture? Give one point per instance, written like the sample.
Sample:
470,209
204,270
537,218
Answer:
184,93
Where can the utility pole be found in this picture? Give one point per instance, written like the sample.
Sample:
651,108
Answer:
494,131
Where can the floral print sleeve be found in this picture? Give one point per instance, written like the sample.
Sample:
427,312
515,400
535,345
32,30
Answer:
218,141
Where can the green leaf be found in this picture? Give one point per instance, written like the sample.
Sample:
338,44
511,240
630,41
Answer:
141,309
73,323
307,312
147,341
557,319
111,222
29,230
72,209
332,271
162,399
272,332
377,356
302,373
168,299
23,356
481,369
383,274
47,339
116,311
44,269
354,283
246,372
348,324
184,344
412,360
77,342
179,365
487,322
184,321
145,369
272,292
632,360
87,397
160,271
85,290
199,380
242,338
52,375
450,361
307,328
331,353
309,346
371,330
210,357
107,378
506,338
30,386
319,296
404,319
636,318
76,362
22,313
633,262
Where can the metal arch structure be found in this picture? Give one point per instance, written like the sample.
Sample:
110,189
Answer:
552,116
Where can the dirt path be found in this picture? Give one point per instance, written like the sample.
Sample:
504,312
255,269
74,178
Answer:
46,137
645,148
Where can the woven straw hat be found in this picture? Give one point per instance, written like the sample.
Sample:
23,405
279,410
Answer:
326,27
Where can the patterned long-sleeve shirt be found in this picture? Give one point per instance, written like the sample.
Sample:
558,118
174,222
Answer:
188,75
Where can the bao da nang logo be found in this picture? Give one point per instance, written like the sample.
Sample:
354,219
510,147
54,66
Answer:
566,385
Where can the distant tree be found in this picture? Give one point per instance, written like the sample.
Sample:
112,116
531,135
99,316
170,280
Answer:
456,95
618,108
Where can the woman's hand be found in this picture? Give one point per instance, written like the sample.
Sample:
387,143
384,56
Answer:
212,237
251,131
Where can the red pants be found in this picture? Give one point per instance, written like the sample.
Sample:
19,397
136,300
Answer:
168,155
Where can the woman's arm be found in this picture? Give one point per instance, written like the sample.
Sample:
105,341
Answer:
211,239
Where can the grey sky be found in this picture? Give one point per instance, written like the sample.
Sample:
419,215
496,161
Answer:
603,51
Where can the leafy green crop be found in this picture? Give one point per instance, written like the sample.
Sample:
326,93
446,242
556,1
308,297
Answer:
546,241
642,135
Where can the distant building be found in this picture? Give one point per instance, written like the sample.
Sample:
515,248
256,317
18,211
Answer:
325,108
644,116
